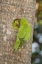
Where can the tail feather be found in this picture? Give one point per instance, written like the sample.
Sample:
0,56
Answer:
16,45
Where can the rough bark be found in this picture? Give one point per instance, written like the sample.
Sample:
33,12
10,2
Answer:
10,9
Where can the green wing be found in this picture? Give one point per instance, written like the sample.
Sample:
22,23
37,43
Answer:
24,32
28,33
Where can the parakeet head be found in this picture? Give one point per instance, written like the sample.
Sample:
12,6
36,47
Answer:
19,22
16,23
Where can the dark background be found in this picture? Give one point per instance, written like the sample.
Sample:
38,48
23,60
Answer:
37,36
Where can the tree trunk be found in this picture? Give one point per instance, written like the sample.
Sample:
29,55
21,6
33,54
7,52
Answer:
10,9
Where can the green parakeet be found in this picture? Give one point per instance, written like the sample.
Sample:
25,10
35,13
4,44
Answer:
24,31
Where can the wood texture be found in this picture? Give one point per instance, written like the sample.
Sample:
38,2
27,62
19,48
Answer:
10,9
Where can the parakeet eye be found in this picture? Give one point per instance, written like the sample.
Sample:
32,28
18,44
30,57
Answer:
17,22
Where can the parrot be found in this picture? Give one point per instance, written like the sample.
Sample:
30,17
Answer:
24,31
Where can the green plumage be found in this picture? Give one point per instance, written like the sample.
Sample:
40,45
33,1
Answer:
24,32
